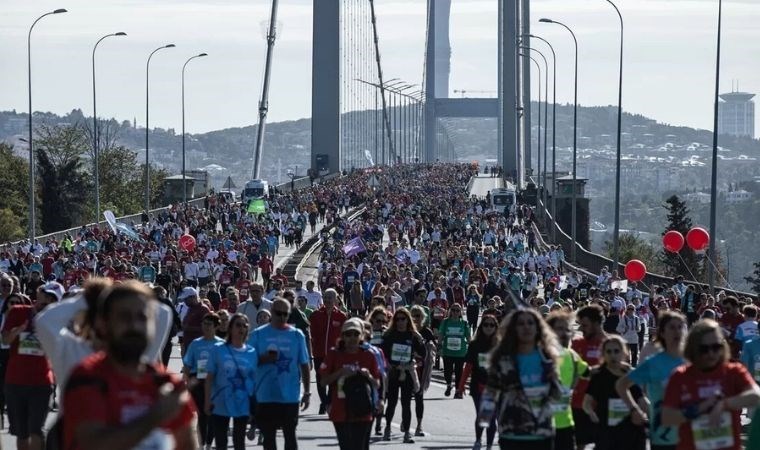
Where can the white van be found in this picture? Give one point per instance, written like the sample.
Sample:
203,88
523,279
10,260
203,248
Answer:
254,189
504,199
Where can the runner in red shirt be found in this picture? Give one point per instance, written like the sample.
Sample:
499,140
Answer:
589,347
122,403
344,362
730,321
705,397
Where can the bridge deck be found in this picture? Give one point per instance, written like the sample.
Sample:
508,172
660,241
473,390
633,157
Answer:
484,183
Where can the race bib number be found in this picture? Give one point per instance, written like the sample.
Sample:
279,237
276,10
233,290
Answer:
455,331
483,360
202,371
29,345
563,404
454,344
708,437
377,338
438,313
617,410
535,398
401,353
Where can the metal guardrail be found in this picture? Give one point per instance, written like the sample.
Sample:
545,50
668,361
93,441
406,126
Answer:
591,264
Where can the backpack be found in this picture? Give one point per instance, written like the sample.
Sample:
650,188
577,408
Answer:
359,399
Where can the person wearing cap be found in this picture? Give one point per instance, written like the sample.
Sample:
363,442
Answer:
28,378
192,323
346,364
628,327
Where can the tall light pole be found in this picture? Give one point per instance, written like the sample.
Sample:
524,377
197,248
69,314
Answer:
538,67
616,232
184,181
714,174
573,226
147,126
546,115
264,102
32,215
554,138
95,149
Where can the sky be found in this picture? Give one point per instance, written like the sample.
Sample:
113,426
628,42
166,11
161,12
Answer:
669,55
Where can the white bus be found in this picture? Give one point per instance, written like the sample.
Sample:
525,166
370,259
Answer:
254,189
504,199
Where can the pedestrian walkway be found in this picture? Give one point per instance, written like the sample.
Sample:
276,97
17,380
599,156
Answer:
483,183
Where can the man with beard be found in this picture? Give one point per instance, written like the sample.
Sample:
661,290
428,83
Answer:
121,402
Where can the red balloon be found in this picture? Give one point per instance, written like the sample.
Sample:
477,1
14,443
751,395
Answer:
187,242
698,238
635,270
673,241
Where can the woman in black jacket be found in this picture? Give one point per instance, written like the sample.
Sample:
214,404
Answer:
402,345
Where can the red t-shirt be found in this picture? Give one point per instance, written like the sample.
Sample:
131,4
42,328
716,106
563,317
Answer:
266,265
591,352
689,386
334,361
244,287
96,392
27,365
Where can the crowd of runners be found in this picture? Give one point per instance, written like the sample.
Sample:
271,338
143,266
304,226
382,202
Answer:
426,281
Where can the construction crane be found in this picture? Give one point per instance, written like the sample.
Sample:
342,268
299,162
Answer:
468,91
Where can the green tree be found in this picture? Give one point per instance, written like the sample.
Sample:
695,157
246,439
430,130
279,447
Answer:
10,228
679,220
63,190
14,184
754,278
631,246
62,143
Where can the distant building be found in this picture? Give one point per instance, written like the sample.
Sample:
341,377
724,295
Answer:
738,196
736,114
698,197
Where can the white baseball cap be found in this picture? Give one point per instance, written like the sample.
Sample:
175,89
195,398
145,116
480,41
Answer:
55,289
187,292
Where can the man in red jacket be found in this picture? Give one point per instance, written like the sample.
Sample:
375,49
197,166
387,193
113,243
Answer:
326,323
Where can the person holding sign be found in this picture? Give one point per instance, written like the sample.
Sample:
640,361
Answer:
195,371
611,414
705,397
454,336
402,344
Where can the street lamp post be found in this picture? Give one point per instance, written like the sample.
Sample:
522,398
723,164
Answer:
573,226
147,126
714,173
546,117
554,139
616,232
32,215
184,181
95,149
538,67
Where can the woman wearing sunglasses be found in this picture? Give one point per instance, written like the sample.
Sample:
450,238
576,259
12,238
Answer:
705,396
342,364
653,375
454,333
229,384
402,345
522,383
605,408
476,363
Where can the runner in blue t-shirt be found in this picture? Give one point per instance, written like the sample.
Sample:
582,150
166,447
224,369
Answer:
283,369
230,384
653,375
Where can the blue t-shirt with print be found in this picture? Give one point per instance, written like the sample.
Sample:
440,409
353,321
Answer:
279,382
234,371
198,354
751,357
531,372
653,375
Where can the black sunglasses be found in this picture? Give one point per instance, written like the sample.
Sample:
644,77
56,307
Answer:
612,351
353,333
710,348
488,325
